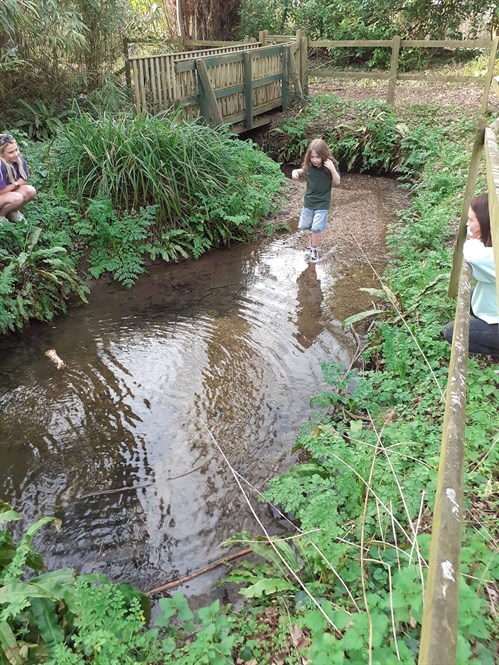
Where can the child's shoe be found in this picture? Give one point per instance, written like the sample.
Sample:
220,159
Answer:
314,255
15,216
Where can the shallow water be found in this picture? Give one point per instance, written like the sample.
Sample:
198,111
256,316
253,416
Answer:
220,353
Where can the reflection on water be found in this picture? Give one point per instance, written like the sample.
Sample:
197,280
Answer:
119,445
309,311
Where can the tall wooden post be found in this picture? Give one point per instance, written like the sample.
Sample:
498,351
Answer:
128,76
248,89
457,260
262,37
488,76
392,81
285,76
304,63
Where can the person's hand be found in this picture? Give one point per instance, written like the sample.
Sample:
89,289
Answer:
329,164
295,174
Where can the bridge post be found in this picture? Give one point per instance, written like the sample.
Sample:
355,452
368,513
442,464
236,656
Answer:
304,63
248,90
285,77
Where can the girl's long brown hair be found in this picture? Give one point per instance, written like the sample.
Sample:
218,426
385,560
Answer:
480,206
321,148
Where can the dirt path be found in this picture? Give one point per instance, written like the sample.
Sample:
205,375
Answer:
408,92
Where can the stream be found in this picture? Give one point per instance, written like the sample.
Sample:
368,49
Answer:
219,354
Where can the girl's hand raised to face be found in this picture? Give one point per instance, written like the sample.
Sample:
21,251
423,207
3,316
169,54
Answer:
330,166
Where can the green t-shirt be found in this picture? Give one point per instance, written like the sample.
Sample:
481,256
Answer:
319,185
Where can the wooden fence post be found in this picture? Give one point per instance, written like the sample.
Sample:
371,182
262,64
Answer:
457,260
488,76
304,64
285,77
392,81
248,90
293,72
299,35
128,76
262,37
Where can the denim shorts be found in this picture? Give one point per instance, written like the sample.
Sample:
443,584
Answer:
315,220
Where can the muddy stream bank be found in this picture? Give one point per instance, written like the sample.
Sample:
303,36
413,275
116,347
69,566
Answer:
120,445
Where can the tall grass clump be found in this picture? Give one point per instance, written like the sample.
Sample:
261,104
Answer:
202,181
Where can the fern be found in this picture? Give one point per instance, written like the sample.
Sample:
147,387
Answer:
35,280
116,243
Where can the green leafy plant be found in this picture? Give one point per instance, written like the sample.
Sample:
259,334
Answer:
195,175
39,121
60,617
116,244
35,280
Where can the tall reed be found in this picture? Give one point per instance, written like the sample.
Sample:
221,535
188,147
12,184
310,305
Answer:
191,172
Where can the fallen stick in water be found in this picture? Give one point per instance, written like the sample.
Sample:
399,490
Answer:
58,362
202,571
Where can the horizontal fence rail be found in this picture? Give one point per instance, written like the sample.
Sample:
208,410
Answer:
393,75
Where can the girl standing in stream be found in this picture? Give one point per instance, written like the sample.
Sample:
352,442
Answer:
320,169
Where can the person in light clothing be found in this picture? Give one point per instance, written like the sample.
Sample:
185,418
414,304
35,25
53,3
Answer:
14,189
477,250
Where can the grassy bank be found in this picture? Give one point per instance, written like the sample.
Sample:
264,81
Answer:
116,191
346,586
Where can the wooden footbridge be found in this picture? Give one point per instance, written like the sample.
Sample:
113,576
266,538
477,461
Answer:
234,84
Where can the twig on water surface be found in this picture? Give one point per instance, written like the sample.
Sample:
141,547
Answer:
201,571
127,488
269,539
114,490
220,286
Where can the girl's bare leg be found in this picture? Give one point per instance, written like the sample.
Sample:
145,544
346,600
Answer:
15,200
315,238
